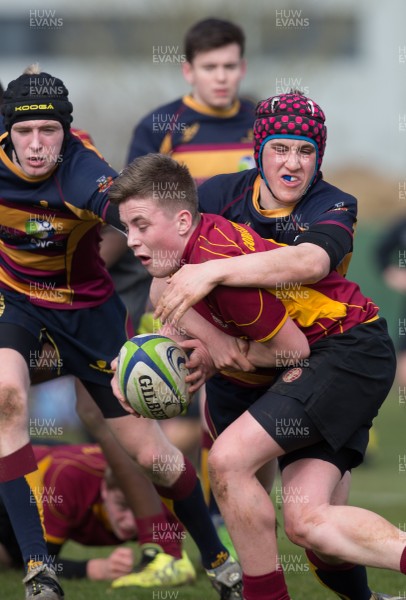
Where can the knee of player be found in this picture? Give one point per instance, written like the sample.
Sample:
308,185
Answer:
146,459
304,525
219,465
13,402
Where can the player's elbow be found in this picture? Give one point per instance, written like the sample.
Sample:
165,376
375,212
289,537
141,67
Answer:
313,262
317,272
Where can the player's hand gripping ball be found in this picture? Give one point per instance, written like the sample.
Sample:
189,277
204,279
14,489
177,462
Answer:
151,375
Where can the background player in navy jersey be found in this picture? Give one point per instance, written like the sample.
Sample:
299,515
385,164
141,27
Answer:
285,198
209,129
55,288
334,393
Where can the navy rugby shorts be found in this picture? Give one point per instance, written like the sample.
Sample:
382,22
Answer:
323,409
85,341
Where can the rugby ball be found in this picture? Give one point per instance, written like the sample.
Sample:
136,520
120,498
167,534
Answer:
151,375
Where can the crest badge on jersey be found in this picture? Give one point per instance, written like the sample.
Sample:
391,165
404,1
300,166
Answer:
292,375
104,183
190,132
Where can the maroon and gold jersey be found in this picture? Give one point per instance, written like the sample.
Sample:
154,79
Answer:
328,307
73,508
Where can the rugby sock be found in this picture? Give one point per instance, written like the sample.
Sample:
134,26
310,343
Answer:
190,507
209,498
206,444
347,580
403,562
271,586
162,530
21,491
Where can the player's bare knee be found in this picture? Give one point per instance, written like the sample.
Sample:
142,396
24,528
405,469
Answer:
13,403
218,462
163,468
218,484
218,467
146,459
306,526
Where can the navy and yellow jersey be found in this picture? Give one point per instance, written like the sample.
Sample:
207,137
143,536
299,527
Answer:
209,141
237,197
49,229
328,307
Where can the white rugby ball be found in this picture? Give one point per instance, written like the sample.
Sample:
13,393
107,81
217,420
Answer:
151,374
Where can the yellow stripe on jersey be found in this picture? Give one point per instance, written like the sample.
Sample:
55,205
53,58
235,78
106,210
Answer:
59,295
77,234
207,163
275,331
45,463
213,112
342,268
28,258
16,217
84,214
306,305
87,143
258,316
249,242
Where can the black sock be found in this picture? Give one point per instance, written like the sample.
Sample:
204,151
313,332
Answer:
194,514
191,509
25,516
346,580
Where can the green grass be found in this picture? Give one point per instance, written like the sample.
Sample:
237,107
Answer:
378,485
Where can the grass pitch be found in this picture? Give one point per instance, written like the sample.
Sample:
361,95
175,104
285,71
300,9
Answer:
378,485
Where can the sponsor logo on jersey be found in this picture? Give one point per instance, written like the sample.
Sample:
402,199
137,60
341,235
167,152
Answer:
245,163
292,375
25,107
39,228
2,304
